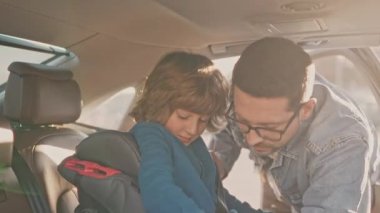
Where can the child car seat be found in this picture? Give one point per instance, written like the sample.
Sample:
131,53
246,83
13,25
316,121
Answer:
104,169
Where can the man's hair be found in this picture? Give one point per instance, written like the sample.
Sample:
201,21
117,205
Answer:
274,67
187,81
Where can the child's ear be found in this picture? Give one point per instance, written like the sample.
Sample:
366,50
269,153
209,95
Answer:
308,108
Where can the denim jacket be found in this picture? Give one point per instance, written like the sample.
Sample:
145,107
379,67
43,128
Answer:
327,166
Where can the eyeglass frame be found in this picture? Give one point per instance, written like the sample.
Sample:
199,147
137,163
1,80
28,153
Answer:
256,129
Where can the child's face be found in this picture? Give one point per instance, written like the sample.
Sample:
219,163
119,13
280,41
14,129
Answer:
186,125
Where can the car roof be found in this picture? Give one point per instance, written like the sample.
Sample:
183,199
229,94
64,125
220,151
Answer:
111,37
187,24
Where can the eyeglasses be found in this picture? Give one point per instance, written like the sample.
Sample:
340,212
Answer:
265,133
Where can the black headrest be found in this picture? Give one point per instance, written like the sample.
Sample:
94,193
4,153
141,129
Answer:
113,149
40,94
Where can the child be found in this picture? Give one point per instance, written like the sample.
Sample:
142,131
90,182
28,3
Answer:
183,96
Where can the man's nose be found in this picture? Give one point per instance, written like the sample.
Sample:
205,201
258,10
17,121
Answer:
253,138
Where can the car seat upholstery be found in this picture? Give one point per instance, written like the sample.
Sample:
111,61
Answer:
105,169
38,100
11,197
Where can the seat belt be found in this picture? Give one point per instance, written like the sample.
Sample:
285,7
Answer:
29,185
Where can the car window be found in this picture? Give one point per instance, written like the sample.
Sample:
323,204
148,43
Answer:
110,112
18,49
226,65
11,54
344,73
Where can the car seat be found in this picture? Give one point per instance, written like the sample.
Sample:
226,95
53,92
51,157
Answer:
12,198
105,168
39,99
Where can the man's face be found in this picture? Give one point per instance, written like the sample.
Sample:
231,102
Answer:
267,123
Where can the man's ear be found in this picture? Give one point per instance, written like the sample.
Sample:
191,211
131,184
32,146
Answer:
308,108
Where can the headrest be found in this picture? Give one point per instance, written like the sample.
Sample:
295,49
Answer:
113,149
40,94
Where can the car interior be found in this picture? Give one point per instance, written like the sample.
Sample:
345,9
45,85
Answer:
69,69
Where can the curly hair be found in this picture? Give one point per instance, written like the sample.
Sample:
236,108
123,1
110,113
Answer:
186,81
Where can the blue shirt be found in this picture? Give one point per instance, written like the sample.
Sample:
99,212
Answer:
174,177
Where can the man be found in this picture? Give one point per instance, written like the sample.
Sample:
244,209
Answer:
314,146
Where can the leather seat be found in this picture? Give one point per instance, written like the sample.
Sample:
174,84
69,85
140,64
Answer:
11,197
39,99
